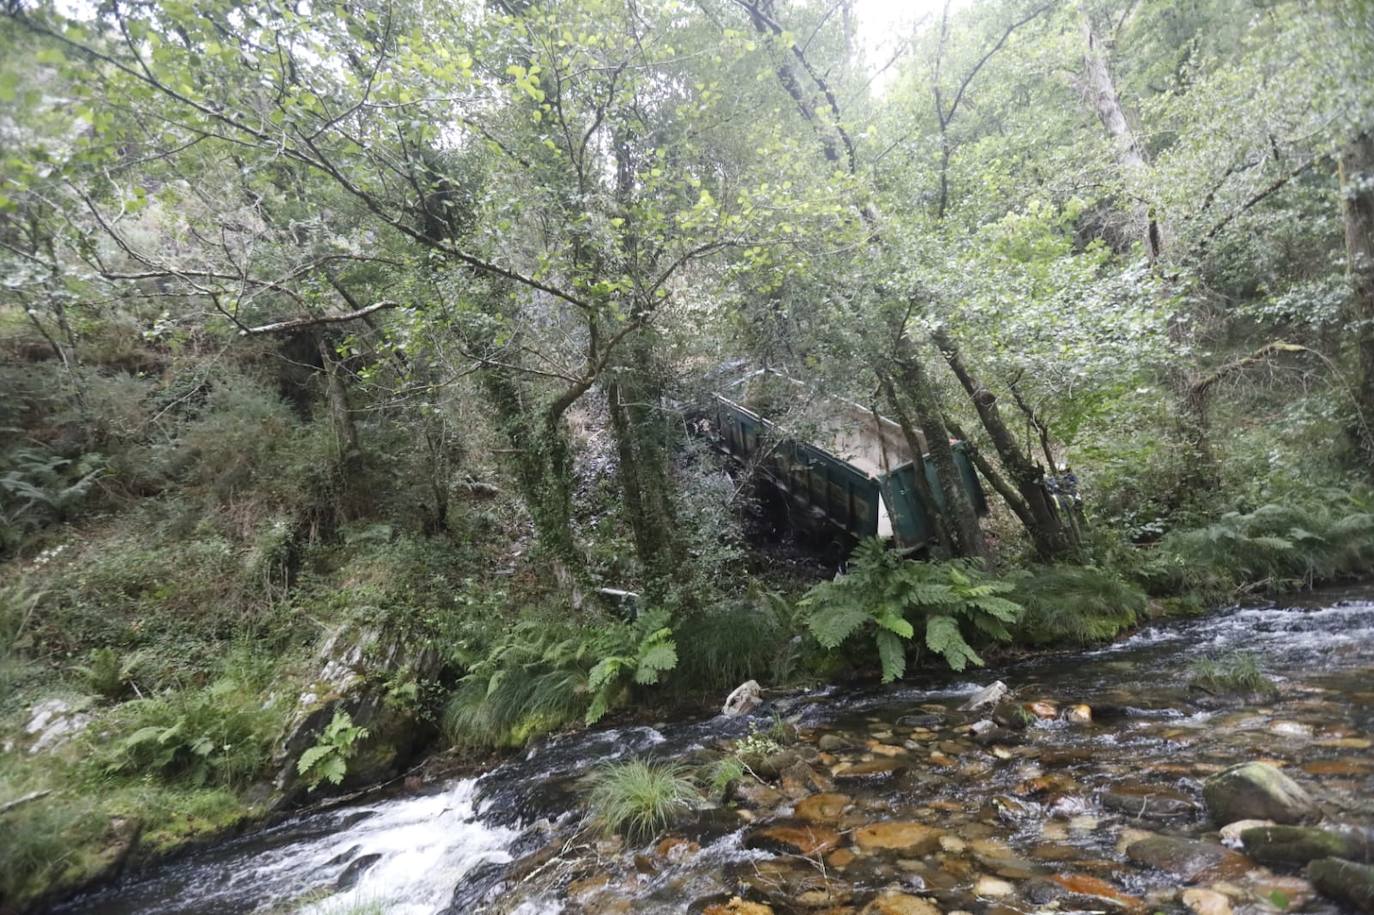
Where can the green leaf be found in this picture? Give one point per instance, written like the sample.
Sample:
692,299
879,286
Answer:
892,655
311,757
660,658
831,625
944,638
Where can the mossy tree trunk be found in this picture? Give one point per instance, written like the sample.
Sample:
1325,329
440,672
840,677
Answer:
1052,537
1357,200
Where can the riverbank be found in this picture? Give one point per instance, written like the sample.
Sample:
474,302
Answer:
1018,810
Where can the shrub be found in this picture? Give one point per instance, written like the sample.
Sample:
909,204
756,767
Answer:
1075,604
888,597
542,675
41,838
1295,544
639,799
108,673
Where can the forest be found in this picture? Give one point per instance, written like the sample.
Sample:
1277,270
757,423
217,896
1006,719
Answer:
363,367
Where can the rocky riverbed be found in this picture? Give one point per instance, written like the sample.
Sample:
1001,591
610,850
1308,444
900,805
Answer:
1102,781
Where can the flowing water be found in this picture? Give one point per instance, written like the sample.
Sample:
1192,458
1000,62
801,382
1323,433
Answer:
997,821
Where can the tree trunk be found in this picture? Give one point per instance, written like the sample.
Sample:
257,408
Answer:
1052,538
924,494
1099,91
1357,199
340,418
967,536
542,457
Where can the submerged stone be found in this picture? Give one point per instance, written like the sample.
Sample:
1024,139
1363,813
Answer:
822,808
1143,800
1206,902
906,837
1188,859
895,902
1344,881
793,838
1256,791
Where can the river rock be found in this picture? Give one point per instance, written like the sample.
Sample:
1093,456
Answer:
1301,844
1088,891
737,906
1148,801
822,808
904,836
744,699
54,722
355,870
1344,881
793,838
1079,714
895,902
358,668
986,697
992,886
1231,832
1189,859
1256,791
1206,902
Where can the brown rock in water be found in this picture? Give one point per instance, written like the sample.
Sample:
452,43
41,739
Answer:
1139,800
870,770
895,902
1344,881
1042,709
1098,890
909,838
1189,859
1079,714
1255,791
822,808
793,838
1206,902
737,906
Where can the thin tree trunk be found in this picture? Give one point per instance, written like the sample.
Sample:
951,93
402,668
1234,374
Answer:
1100,95
1357,199
924,494
965,532
1052,538
340,417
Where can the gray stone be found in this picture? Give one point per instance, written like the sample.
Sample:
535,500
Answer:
745,698
52,723
986,697
1301,844
1344,881
1256,791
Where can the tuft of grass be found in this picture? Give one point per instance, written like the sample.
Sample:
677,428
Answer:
639,799
723,773
1237,673
1076,605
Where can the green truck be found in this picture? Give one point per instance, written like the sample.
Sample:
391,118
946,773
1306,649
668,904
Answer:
842,468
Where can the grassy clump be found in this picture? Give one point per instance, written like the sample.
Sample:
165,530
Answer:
1076,605
747,640
1237,673
639,799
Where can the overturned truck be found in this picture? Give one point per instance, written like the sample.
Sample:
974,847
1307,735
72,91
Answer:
842,469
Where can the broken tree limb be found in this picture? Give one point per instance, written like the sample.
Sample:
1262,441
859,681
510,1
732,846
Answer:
313,320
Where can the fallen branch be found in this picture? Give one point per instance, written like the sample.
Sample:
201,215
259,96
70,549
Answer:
312,320
21,801
1199,388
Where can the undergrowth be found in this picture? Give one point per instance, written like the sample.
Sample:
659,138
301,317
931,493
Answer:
1075,605
1237,673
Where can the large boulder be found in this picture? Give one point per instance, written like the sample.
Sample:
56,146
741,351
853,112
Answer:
1344,881
744,699
374,678
1256,791
54,722
1301,844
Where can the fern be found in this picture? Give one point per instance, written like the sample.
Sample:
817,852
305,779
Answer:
891,600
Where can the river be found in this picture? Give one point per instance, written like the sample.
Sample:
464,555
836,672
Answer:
1017,819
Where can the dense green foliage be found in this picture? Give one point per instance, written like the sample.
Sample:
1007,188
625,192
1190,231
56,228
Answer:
354,382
